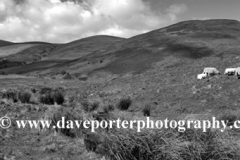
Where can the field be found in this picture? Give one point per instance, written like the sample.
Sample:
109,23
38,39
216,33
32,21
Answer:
151,75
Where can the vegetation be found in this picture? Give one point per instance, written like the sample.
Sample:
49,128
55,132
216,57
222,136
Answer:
50,96
168,144
24,96
108,108
11,94
124,103
47,98
58,97
147,110
90,106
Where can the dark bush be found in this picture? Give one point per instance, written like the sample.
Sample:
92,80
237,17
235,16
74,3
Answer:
47,98
147,110
68,116
229,118
11,94
89,106
124,103
45,90
50,96
24,96
108,108
58,97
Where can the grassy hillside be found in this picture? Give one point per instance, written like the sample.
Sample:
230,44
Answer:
32,54
83,47
4,43
184,42
190,40
153,73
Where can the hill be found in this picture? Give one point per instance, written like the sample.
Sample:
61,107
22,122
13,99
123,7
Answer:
198,42
184,42
5,43
52,54
83,47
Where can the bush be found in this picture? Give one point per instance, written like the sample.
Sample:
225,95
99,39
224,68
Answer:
11,94
108,108
24,96
90,106
47,98
45,90
69,116
33,90
50,96
58,97
124,103
147,111
168,144
229,118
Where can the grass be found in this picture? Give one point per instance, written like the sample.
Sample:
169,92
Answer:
168,144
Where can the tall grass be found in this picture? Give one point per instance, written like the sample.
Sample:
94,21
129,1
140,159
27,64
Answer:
168,144
24,96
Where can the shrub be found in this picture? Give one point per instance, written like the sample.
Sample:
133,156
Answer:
58,97
108,108
147,111
69,116
24,96
63,72
33,90
229,118
47,98
124,103
168,144
45,90
90,106
11,94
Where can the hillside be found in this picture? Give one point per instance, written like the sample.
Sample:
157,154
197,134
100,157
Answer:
157,73
32,54
4,43
184,42
83,47
50,54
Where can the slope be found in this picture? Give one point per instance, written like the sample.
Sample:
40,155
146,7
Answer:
83,47
187,41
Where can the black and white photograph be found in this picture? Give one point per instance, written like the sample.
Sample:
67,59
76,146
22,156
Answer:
119,79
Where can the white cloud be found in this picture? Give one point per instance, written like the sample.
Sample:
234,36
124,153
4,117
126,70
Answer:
56,21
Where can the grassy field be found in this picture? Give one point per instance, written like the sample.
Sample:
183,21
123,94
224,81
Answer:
153,75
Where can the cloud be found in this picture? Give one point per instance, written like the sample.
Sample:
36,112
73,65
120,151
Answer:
67,20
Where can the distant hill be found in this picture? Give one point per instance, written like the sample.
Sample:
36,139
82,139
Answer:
5,43
195,43
32,54
51,54
83,47
187,41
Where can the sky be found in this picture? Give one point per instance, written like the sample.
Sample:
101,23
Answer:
62,21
